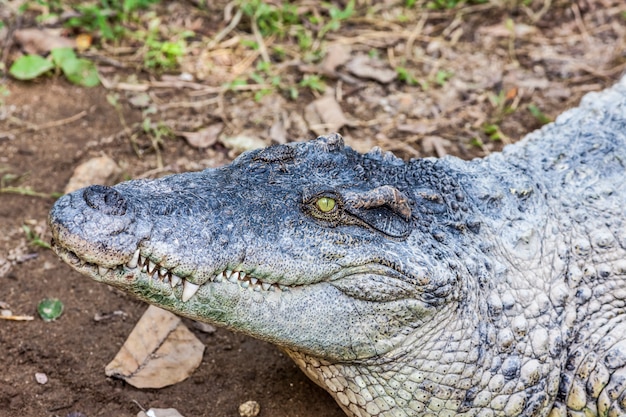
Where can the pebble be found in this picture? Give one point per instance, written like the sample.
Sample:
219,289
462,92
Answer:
249,409
41,378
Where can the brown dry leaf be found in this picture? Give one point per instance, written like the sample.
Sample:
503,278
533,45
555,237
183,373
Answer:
203,138
101,170
41,41
160,351
336,55
324,115
363,66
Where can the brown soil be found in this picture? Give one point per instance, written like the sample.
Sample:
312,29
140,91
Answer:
551,62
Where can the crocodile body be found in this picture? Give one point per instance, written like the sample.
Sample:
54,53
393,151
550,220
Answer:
432,287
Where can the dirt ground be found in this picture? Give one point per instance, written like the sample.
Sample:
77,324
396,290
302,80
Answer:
499,61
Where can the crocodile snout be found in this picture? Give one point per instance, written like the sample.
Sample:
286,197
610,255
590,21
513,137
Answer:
105,199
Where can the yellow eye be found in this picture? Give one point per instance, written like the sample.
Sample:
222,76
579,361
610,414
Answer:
325,204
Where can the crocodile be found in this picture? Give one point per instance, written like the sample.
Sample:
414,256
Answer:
427,287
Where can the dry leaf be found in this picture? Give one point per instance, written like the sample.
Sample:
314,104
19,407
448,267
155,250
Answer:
336,55
100,170
41,41
242,143
363,66
203,138
324,115
160,351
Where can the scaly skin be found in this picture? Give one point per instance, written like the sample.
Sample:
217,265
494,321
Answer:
492,287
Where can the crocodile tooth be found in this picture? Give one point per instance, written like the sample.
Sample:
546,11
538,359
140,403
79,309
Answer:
253,280
144,267
242,275
141,260
235,275
219,277
151,266
228,273
266,286
189,290
133,261
244,284
283,287
163,272
175,280
257,288
102,270
155,274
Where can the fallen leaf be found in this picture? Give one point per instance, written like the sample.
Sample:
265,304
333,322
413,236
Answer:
100,170
242,143
203,138
363,66
41,41
324,115
336,55
160,351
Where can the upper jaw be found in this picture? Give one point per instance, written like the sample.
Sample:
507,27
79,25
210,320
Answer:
140,267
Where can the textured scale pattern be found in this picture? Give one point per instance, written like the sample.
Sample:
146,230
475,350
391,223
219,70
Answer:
432,287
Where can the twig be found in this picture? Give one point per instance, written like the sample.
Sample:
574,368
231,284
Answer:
17,318
36,128
259,40
224,32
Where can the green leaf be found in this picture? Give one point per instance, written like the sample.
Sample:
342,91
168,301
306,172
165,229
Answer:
29,67
61,55
50,309
81,72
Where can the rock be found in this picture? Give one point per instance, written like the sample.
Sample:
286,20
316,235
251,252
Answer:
41,378
160,412
101,170
249,409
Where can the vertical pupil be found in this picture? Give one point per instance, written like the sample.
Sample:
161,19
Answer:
326,204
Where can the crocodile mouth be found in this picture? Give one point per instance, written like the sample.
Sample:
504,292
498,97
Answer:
181,287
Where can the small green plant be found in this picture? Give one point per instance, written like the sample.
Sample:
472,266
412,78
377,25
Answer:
79,71
337,15
164,54
107,16
313,83
34,238
538,114
451,4
407,77
442,76
270,19
494,132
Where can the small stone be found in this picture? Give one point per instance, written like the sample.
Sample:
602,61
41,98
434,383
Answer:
160,412
249,409
41,378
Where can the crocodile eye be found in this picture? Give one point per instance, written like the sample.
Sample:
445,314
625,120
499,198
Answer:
326,204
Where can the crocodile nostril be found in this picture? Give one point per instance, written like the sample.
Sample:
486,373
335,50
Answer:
105,199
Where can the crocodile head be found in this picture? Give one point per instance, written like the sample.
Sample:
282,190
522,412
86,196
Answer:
311,246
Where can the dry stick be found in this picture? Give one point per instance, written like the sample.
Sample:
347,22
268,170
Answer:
419,27
259,40
224,32
36,128
580,24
